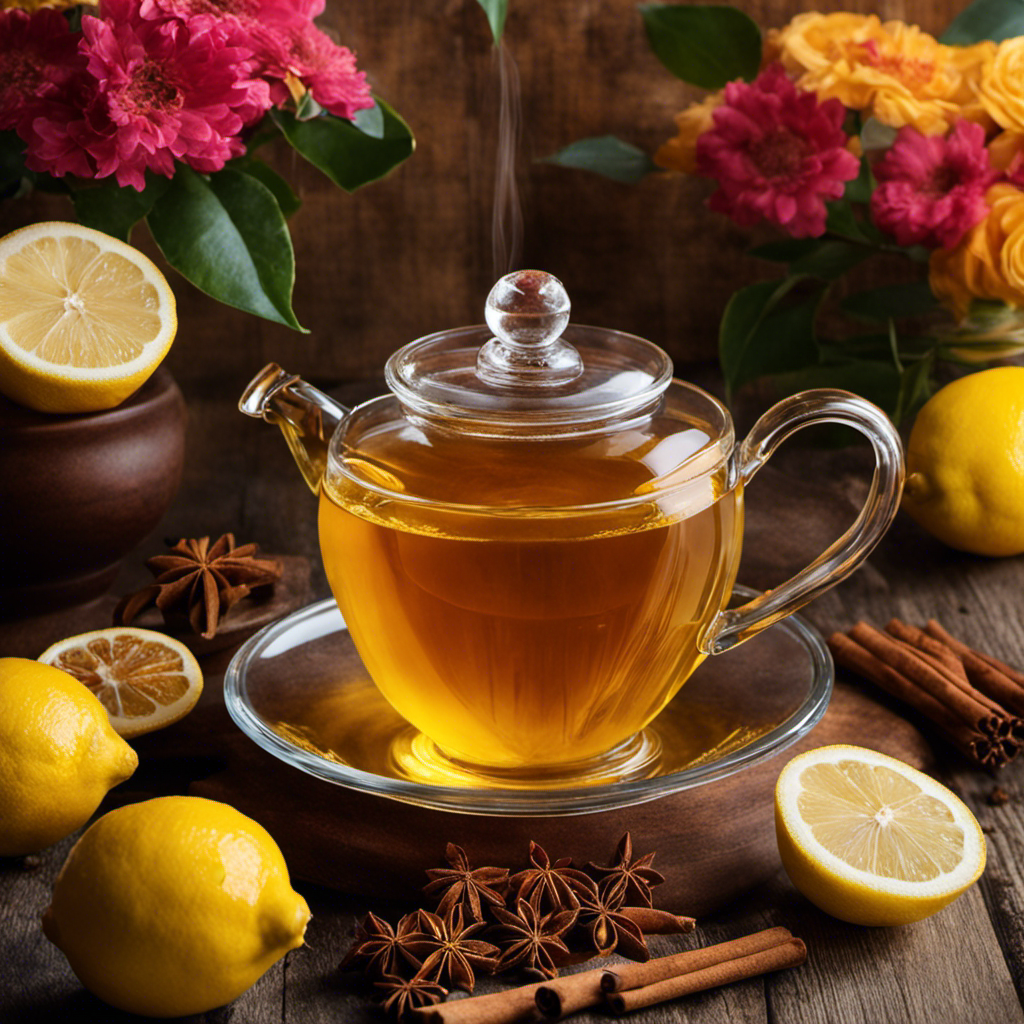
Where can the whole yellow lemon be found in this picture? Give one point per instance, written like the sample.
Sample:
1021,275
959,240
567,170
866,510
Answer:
174,906
965,463
58,755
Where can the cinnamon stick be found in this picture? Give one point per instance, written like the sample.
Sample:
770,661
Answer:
652,921
790,953
943,658
923,675
511,1006
566,995
988,674
627,976
966,737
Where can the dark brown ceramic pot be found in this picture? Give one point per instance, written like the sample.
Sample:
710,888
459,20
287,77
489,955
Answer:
77,493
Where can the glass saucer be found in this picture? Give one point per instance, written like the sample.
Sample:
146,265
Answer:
299,690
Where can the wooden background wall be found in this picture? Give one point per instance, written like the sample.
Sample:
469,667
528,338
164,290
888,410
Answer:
413,254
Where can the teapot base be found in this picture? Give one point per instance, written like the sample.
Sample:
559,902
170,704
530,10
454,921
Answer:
414,756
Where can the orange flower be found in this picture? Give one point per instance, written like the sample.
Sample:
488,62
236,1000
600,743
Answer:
1005,148
989,261
680,153
1000,84
891,71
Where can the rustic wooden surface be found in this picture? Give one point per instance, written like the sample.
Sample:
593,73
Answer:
964,965
413,254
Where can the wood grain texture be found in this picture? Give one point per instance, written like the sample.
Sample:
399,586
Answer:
963,967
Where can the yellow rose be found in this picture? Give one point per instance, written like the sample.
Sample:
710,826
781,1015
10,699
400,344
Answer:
989,261
1001,92
892,71
680,153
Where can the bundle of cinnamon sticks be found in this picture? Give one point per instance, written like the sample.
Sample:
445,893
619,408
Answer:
627,986
975,700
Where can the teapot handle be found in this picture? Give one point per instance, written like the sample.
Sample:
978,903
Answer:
735,625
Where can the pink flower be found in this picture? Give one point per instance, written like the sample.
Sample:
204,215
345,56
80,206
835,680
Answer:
38,56
163,91
776,153
302,52
932,187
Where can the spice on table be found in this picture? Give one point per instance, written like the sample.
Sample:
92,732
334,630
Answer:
200,582
998,797
545,916
636,984
608,928
533,939
636,877
405,994
460,883
451,951
557,884
378,944
929,671
790,953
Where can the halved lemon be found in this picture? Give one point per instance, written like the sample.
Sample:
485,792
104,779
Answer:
869,839
144,679
85,319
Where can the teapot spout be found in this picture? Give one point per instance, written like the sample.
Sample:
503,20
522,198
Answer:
307,417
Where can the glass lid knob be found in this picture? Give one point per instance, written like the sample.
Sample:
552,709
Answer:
527,310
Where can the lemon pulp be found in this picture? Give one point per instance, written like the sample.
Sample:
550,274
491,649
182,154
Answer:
85,319
880,822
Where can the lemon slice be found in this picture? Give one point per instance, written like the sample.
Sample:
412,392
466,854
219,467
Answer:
871,840
144,679
85,319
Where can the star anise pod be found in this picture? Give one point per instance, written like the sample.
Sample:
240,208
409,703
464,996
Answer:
531,939
405,994
555,883
601,916
379,944
451,952
462,884
634,877
200,580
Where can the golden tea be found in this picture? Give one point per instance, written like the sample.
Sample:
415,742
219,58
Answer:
529,605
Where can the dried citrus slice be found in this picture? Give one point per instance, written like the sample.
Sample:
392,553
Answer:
144,679
871,840
85,319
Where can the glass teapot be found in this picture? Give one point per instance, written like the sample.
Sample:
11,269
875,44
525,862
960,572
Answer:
534,536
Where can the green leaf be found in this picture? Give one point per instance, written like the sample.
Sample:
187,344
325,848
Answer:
287,200
707,46
785,251
891,302
877,381
14,178
370,121
843,221
766,330
226,234
986,19
605,155
831,259
115,210
859,189
307,108
496,11
349,157
915,388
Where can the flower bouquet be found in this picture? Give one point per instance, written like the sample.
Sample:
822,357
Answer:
860,140
155,109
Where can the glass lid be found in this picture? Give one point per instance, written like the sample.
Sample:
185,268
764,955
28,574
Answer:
529,370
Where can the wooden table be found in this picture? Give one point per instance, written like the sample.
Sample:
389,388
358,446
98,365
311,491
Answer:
964,965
